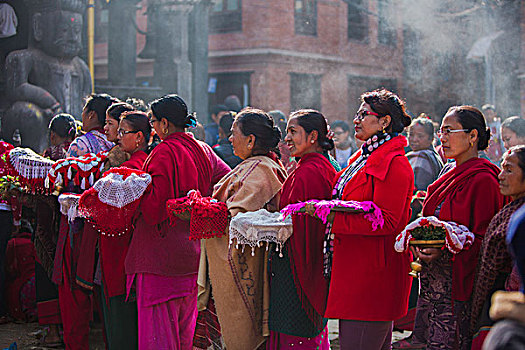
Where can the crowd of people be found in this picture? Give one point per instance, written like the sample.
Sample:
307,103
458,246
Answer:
154,288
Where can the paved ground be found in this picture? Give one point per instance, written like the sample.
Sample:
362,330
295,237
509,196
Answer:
21,334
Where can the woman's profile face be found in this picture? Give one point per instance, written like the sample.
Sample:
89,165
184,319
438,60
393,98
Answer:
340,136
128,138
454,142
511,181
510,138
111,129
242,144
298,140
366,123
418,139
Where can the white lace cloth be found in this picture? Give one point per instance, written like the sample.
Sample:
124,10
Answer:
69,205
256,227
457,237
29,164
118,192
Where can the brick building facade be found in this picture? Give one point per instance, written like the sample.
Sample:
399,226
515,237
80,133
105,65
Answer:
303,53
290,54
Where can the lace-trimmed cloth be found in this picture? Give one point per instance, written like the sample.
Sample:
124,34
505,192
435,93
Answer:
209,217
111,203
69,205
83,171
457,237
257,227
30,168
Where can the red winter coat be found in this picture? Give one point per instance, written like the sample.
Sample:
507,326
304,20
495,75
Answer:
370,279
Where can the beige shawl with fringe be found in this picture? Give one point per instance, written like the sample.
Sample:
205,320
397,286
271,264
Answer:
239,280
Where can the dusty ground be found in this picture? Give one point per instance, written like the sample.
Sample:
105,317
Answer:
21,334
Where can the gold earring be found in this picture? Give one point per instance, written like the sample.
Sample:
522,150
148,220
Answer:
384,130
165,131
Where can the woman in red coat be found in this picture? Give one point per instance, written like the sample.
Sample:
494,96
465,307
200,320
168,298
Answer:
370,285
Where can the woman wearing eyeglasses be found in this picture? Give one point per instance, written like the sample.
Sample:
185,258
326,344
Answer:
466,193
162,262
369,284
120,316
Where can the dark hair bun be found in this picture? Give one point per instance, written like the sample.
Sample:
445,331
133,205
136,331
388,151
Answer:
327,144
191,120
256,122
406,120
276,136
484,138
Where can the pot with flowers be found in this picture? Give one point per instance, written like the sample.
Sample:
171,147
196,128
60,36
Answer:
430,232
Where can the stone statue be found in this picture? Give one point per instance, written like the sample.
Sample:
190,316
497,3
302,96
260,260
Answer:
48,77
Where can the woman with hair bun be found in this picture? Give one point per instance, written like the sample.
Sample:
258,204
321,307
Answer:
369,284
162,261
298,289
62,131
467,193
239,280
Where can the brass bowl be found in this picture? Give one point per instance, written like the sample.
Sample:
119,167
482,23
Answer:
438,243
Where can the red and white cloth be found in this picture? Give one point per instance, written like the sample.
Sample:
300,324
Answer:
69,205
457,237
30,168
83,171
111,203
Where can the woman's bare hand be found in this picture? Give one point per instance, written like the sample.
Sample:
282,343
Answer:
427,254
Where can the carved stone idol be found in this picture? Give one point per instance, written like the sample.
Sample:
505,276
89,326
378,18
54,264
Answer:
48,77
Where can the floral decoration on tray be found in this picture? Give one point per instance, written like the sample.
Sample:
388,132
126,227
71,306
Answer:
432,232
323,208
9,185
209,217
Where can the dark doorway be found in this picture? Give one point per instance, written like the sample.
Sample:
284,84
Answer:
222,85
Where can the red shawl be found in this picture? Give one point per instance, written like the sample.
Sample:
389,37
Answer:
136,161
471,197
177,165
312,179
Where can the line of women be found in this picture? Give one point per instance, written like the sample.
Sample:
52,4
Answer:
343,269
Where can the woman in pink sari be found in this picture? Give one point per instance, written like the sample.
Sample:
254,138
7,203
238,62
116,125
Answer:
162,262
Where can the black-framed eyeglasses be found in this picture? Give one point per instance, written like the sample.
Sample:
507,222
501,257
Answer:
122,132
